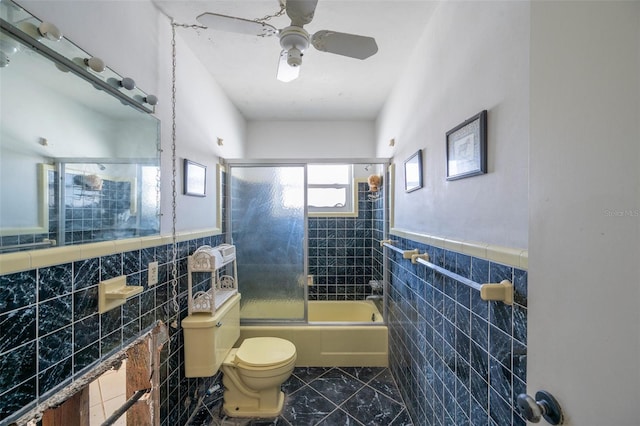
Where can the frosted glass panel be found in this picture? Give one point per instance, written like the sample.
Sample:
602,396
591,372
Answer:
268,229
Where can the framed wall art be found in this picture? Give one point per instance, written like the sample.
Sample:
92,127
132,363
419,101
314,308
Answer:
467,148
195,179
413,172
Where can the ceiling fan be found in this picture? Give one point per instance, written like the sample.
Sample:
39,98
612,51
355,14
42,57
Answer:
294,40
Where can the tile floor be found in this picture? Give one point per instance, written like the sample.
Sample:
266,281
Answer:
332,396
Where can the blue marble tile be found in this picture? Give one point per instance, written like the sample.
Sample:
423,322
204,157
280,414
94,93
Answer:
131,262
372,408
463,295
480,332
500,315
17,366
479,390
131,331
449,308
338,417
499,345
292,384
54,376
17,290
499,410
17,327
306,407
478,306
85,357
55,347
147,255
519,361
54,281
463,397
86,332
54,314
463,265
500,379
520,324
463,319
463,344
22,395
110,321
499,272
85,303
131,309
110,266
336,385
520,287
479,360
449,332
110,343
385,384
480,270
86,273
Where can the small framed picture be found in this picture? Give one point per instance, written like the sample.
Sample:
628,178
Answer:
413,172
467,148
195,179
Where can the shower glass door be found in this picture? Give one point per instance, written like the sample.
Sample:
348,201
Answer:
268,227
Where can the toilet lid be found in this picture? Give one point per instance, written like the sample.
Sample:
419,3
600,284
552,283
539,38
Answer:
265,351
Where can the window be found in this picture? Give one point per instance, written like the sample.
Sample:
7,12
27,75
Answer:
330,188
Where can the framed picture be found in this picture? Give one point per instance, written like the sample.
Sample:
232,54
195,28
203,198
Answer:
195,179
467,148
413,172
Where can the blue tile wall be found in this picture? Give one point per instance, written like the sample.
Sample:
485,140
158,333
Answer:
344,252
457,359
52,332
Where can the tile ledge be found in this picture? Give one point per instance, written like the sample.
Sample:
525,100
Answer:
516,257
25,260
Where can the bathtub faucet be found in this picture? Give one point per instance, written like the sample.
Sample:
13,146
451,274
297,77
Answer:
374,297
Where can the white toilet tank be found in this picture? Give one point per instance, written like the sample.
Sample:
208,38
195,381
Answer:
209,338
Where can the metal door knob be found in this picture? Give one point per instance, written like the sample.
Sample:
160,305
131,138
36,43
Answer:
545,405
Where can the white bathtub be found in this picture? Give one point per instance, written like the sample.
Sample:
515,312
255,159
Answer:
339,334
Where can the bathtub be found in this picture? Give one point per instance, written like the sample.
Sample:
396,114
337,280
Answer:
338,334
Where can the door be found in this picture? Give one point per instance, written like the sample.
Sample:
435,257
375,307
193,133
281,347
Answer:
584,201
268,226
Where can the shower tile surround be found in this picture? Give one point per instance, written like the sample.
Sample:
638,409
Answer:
457,359
343,251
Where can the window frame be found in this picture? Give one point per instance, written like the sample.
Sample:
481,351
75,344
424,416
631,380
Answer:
351,205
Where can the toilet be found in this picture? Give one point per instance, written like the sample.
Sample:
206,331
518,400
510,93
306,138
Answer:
252,373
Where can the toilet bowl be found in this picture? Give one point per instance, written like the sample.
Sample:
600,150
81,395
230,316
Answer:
252,375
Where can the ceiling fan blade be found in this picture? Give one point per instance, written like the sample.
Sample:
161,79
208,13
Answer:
286,72
232,24
301,11
351,45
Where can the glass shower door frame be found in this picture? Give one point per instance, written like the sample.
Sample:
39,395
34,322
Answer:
231,164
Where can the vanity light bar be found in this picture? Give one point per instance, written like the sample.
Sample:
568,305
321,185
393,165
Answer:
72,66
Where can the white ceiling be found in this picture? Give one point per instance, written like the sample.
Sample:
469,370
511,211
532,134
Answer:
330,86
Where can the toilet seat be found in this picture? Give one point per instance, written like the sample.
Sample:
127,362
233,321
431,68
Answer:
265,352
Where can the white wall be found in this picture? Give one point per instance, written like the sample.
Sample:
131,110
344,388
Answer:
472,56
134,39
310,139
584,273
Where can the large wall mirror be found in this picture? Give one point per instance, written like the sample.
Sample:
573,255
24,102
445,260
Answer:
79,151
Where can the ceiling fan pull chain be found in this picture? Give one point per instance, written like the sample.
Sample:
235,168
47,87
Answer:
283,6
